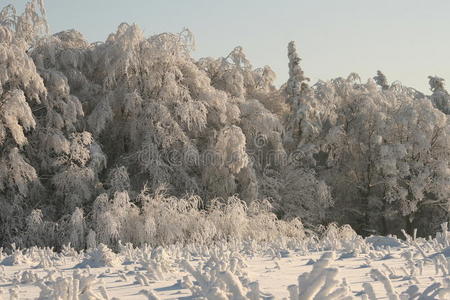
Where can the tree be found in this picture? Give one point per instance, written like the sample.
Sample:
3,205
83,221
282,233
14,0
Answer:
440,96
415,163
20,89
296,83
385,148
381,80
89,133
306,115
305,197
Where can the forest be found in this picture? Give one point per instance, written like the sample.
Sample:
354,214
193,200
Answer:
132,140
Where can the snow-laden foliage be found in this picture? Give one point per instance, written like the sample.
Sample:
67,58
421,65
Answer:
165,220
392,147
91,133
440,96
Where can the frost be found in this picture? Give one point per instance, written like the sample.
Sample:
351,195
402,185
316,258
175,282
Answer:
17,116
92,134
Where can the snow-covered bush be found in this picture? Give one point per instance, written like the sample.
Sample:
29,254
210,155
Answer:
320,283
165,220
98,257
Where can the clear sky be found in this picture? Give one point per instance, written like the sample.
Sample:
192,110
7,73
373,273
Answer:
406,39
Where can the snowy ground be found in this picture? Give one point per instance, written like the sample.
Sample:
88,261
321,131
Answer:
230,271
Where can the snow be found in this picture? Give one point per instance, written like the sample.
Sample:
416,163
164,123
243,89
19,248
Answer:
234,270
157,175
383,241
89,131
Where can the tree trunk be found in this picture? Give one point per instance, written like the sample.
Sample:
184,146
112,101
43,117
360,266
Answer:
409,225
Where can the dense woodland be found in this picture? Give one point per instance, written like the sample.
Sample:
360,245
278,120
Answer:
132,139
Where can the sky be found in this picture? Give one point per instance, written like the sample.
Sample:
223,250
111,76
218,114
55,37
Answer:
406,39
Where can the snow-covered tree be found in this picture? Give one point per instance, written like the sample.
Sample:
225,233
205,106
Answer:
415,159
382,143
381,80
235,75
304,196
440,96
89,133
297,82
309,116
28,26
21,88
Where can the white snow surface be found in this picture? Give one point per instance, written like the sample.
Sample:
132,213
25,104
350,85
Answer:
331,268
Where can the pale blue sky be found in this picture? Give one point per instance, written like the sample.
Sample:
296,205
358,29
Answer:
406,39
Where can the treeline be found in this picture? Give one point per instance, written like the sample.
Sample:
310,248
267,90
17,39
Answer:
91,133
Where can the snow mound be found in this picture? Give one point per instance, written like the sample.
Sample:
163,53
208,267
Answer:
16,258
345,255
383,241
100,257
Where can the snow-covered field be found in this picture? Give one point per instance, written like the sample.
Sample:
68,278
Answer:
339,265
